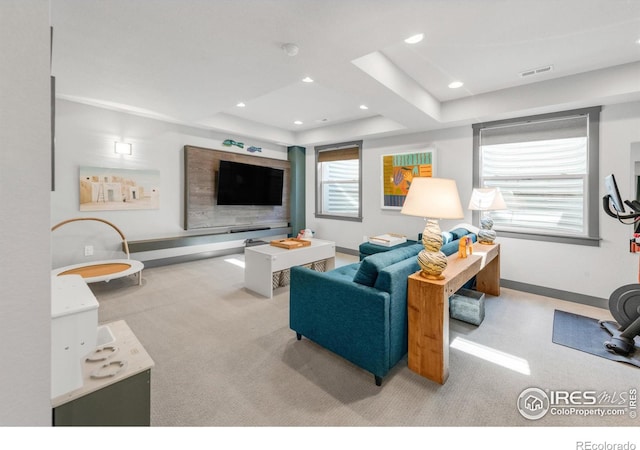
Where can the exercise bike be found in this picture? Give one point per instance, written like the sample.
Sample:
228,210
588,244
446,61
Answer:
624,302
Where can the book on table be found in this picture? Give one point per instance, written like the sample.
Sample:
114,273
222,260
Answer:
388,239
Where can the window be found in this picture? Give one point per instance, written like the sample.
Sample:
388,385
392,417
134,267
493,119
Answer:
338,184
546,167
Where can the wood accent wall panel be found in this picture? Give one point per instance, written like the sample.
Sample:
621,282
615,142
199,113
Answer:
201,211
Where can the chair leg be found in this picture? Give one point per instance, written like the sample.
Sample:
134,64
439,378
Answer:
378,380
298,336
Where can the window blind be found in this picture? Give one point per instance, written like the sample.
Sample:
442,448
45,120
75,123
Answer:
340,154
340,187
338,183
542,167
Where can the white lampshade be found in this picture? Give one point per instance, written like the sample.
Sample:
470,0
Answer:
486,199
435,198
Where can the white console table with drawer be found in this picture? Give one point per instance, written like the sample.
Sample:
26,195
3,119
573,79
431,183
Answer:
261,261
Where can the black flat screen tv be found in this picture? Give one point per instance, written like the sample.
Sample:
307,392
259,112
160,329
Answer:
248,184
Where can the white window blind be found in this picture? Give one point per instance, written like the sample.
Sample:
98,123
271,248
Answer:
338,182
340,187
544,170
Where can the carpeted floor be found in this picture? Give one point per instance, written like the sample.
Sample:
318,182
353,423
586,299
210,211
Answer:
226,357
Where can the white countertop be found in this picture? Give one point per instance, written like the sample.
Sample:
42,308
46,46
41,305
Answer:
129,351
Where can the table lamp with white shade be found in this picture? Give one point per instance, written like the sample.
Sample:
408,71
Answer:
432,199
486,199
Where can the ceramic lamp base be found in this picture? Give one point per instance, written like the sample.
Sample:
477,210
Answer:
428,276
486,235
432,264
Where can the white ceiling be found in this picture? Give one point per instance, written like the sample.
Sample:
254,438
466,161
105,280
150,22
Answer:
192,61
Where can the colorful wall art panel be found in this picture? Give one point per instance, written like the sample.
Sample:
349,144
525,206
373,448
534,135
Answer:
399,170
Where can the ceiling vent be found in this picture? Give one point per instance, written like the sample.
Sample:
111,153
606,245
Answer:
538,71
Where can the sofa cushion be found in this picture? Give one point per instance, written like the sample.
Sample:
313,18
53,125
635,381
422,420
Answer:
370,266
345,272
367,248
457,233
452,247
446,237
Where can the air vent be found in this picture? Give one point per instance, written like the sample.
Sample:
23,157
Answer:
539,70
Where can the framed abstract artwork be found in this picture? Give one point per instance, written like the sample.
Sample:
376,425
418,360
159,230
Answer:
399,170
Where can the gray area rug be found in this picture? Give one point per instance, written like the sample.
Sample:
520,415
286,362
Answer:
585,334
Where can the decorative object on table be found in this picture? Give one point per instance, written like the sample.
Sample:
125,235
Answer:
398,172
253,149
109,189
465,247
433,199
388,239
305,234
290,243
486,199
231,142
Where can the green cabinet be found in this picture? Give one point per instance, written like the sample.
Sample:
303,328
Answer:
125,403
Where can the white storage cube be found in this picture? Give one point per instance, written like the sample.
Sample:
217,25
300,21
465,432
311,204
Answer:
74,328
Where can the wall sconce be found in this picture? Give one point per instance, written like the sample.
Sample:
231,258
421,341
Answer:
122,148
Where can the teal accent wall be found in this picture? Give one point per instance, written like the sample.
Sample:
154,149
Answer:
296,156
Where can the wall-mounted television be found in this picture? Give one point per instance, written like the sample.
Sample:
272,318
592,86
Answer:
248,184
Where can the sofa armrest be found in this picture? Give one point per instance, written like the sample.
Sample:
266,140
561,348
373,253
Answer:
347,318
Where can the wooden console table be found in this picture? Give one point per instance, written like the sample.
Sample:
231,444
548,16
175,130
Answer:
428,307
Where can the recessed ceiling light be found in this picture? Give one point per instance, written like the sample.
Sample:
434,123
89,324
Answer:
364,107
307,80
298,122
241,105
455,84
638,41
414,39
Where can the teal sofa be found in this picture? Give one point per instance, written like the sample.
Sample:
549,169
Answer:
359,311
369,248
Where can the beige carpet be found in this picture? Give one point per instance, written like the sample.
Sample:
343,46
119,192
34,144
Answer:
226,357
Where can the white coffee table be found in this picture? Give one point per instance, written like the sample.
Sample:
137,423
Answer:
261,261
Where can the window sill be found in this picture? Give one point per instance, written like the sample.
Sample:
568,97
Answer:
335,217
574,240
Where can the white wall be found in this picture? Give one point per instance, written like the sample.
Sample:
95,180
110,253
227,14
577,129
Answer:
592,271
25,155
85,136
